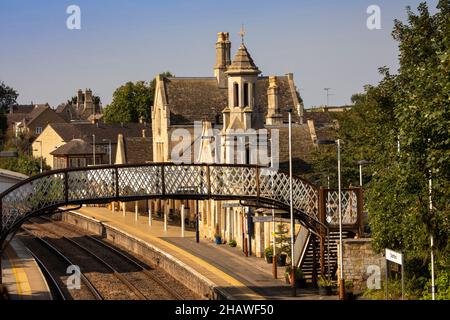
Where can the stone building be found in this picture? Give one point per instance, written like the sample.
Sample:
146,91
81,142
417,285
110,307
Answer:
56,136
237,98
31,119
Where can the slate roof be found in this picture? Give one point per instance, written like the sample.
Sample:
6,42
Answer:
36,112
321,119
69,131
21,108
302,148
75,147
197,99
138,149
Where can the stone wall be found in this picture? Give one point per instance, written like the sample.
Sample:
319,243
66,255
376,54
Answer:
361,264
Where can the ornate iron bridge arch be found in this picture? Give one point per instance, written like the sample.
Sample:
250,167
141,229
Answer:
46,192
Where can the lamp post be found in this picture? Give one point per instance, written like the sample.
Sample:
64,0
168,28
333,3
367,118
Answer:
341,260
41,164
361,163
109,149
93,149
291,207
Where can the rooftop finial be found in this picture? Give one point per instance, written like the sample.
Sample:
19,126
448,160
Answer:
242,33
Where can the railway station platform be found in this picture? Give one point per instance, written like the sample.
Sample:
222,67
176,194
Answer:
22,276
241,277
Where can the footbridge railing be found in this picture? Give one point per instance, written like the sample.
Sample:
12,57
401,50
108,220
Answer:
43,193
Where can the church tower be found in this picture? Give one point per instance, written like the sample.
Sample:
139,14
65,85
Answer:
237,116
242,76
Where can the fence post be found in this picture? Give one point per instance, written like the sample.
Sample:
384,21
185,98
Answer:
163,183
258,190
208,179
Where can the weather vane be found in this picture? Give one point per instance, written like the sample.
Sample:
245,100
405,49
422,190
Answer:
242,33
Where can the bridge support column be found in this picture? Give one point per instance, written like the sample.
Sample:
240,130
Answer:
136,210
182,220
124,208
113,205
149,212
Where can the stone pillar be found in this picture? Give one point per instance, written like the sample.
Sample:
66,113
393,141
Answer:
136,210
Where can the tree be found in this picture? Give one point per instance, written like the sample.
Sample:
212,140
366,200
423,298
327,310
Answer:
411,108
24,164
131,102
8,97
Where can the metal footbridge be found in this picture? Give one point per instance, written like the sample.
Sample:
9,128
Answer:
315,208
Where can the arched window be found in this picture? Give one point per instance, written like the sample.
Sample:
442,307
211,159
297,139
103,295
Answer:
245,94
236,94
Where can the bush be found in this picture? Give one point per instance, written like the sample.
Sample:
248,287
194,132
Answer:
232,243
268,252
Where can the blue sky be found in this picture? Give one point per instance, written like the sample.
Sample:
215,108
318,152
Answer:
324,43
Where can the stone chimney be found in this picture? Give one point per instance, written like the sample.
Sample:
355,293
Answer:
88,102
274,116
79,100
223,58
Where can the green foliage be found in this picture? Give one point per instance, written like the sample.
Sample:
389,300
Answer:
8,96
268,252
23,164
324,282
412,107
131,102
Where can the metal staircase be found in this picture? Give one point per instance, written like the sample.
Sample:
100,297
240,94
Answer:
310,261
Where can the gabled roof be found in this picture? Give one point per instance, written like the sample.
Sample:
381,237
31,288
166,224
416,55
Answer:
75,147
37,111
242,63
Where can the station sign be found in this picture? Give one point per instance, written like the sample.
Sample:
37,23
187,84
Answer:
231,205
394,256
263,219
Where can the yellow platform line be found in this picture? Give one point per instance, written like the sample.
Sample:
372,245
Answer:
23,285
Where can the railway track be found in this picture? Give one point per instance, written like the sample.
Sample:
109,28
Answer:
141,281
54,265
